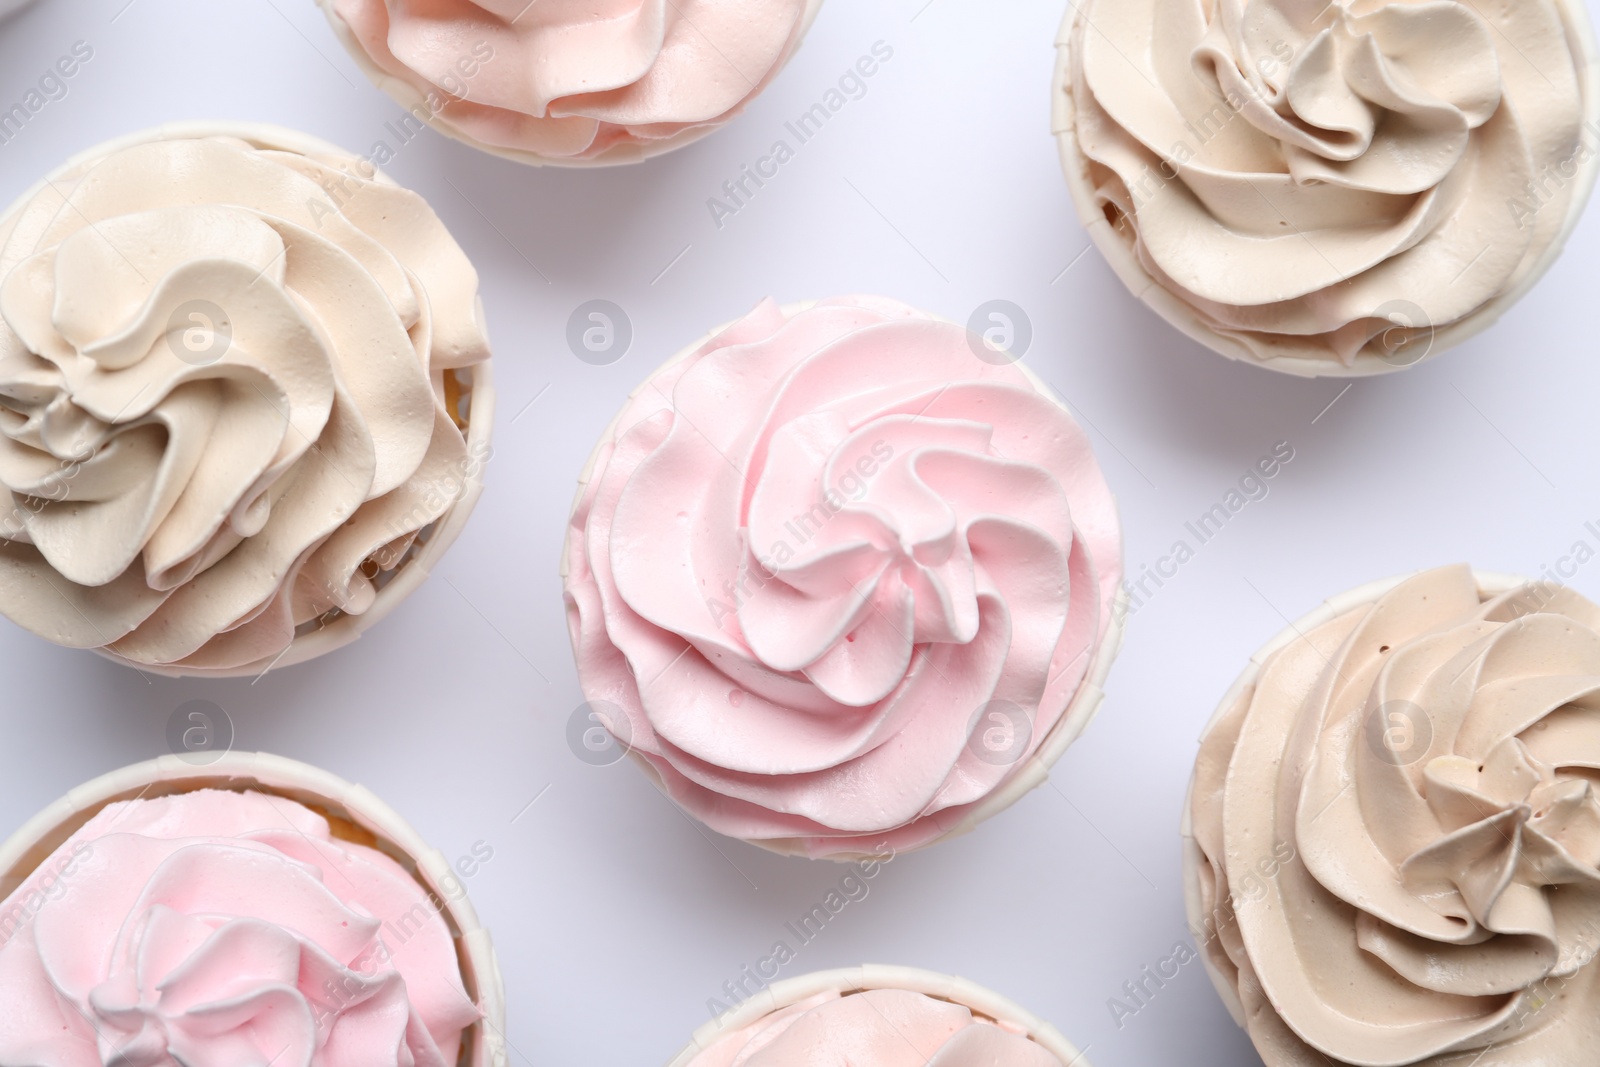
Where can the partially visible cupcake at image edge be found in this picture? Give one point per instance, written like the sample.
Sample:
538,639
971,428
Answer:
844,579
572,84
245,399
255,910
1329,189
884,1016
1392,843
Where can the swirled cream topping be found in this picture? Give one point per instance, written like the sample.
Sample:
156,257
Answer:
1427,764
215,929
228,382
836,578
1306,176
881,1027
562,79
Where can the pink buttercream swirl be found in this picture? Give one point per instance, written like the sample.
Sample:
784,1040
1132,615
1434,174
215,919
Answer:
563,79
813,558
882,1027
213,929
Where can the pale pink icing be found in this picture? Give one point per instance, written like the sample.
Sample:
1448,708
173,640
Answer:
881,1027
215,929
938,534
574,78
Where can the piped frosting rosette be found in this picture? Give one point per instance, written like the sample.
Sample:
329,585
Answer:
885,1016
1329,188
237,373
1393,840
839,582
570,83
252,911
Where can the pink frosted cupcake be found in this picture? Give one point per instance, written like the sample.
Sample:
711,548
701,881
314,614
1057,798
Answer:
884,1016
841,582
567,83
253,911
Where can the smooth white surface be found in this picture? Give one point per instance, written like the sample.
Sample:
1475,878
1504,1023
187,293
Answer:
616,919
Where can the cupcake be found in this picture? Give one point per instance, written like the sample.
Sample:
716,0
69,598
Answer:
244,399
885,1016
1393,837
1340,189
571,84
843,579
252,911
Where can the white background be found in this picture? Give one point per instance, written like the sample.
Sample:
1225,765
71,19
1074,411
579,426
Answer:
616,917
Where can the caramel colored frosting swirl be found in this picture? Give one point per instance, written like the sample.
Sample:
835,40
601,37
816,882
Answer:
1421,772
881,1027
573,80
1304,176
228,395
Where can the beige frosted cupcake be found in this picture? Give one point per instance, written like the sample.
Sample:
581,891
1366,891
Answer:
844,579
253,910
567,84
885,1016
245,399
1342,189
1392,843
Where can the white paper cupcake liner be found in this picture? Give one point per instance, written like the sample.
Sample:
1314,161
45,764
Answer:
1033,771
1490,584
342,629
1119,254
32,845
410,99
849,980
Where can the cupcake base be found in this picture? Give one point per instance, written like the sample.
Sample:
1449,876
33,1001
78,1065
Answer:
1119,252
848,980
408,97
1080,712
354,814
1489,585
